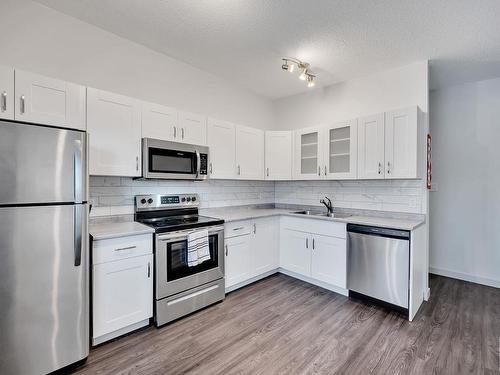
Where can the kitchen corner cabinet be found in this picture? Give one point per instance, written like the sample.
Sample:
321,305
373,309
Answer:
278,155
192,128
221,137
159,122
49,101
114,127
251,250
249,153
6,93
308,157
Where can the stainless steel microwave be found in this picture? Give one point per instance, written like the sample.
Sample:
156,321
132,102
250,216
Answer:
173,160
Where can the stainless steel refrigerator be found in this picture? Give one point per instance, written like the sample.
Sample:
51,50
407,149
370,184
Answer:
44,298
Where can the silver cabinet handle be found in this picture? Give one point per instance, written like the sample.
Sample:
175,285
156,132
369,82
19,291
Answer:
379,168
319,170
21,104
4,101
125,248
313,243
149,270
227,251
254,228
325,170
307,243
239,170
267,171
137,163
175,132
210,167
388,167
239,228
182,133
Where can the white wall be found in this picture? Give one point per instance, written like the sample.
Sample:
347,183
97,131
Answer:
44,41
391,89
465,209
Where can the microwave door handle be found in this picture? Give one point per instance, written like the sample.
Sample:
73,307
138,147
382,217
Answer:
198,162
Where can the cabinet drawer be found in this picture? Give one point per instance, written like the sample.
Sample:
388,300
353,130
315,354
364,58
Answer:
316,226
121,248
238,228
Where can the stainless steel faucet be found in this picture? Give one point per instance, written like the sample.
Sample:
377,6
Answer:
328,205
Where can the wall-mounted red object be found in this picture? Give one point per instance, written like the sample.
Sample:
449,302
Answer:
429,161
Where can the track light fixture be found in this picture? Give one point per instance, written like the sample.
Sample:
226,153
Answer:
306,74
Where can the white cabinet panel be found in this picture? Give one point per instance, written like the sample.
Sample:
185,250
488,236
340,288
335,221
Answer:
114,126
249,153
265,250
49,101
6,93
159,122
341,150
122,293
192,128
308,157
278,155
371,147
401,142
329,260
295,254
221,137
238,264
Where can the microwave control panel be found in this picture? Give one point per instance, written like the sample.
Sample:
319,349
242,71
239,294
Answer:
203,164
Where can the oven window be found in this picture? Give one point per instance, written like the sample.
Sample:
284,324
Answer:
177,263
171,161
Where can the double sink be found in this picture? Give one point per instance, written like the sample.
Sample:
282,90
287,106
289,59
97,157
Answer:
324,214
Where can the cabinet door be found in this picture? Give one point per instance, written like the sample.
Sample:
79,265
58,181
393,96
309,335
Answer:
238,263
371,147
341,150
265,251
221,141
278,155
329,260
295,251
114,125
401,143
49,101
307,155
6,93
249,153
122,293
159,122
192,128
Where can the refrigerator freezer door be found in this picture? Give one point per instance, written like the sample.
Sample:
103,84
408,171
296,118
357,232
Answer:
41,164
44,306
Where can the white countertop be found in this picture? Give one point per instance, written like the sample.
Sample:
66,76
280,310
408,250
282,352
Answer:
245,213
102,231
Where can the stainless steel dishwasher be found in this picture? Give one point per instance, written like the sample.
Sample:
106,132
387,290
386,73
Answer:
379,264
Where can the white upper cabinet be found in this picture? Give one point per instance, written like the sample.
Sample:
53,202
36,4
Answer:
278,155
371,147
114,126
192,129
6,93
249,153
308,158
401,143
49,101
341,150
221,141
159,122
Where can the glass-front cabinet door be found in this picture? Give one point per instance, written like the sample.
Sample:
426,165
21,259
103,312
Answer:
308,154
341,150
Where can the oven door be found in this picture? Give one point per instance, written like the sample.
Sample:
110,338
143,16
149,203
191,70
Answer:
173,160
173,275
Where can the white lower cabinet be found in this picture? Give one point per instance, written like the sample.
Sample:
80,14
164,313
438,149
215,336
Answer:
329,260
122,286
251,249
294,253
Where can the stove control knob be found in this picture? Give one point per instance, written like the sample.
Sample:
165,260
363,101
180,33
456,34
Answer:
150,200
183,199
143,201
193,199
188,199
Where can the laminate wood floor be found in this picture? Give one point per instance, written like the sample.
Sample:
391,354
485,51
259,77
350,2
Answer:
281,325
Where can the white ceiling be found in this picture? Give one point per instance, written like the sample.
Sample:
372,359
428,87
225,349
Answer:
244,40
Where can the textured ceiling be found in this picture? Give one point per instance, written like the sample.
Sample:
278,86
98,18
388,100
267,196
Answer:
244,40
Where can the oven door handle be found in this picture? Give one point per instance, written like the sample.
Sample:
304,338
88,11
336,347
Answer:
198,162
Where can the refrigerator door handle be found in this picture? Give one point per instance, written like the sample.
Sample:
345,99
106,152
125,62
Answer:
78,172
77,233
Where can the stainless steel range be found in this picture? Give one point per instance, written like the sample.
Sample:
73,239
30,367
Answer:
180,286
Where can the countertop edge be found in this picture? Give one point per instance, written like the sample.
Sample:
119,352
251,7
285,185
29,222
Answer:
106,231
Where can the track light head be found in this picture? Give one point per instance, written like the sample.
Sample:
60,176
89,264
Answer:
310,81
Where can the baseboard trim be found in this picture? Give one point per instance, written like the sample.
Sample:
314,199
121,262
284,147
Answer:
465,277
309,280
251,280
120,332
